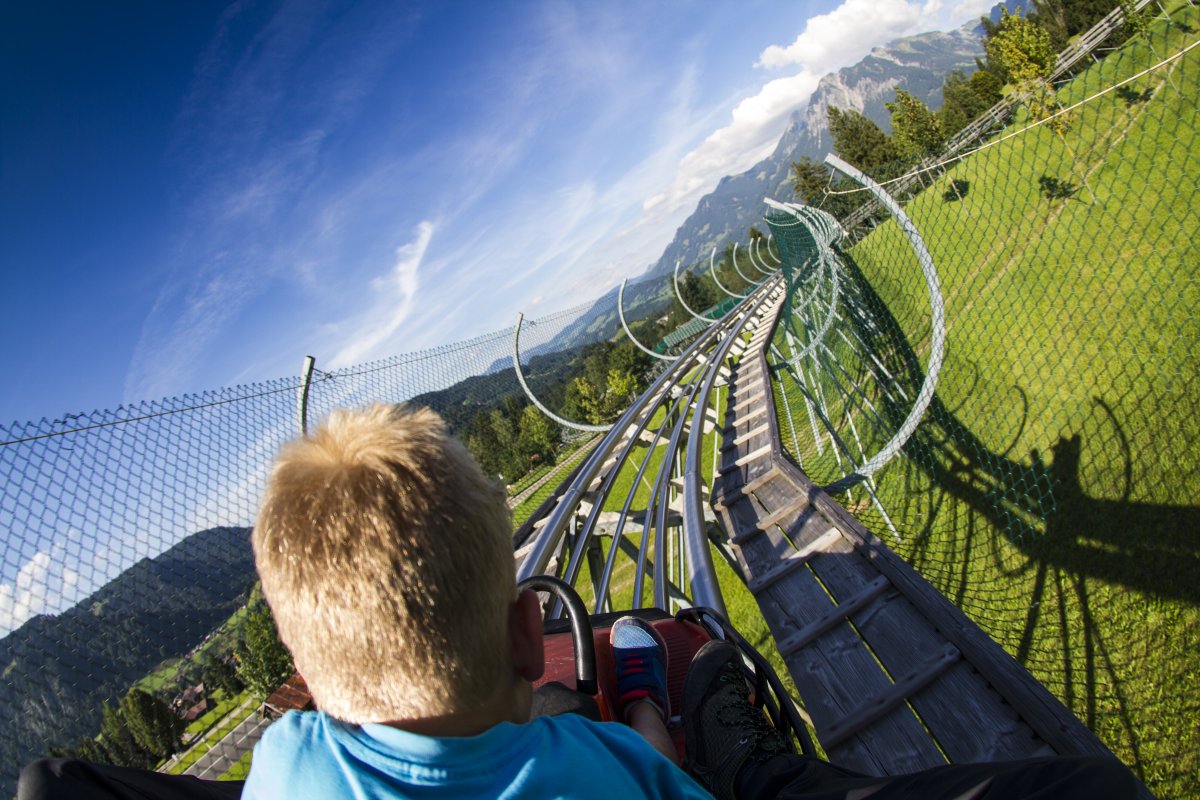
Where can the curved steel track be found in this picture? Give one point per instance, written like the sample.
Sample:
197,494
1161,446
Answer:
664,426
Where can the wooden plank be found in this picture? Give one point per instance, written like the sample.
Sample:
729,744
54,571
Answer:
754,398
834,617
754,413
756,439
794,561
743,460
835,671
745,385
788,511
876,707
733,495
759,467
761,520
1049,718
761,429
743,535
969,720
832,674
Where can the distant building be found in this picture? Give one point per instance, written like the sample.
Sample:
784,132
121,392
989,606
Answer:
193,713
185,702
293,695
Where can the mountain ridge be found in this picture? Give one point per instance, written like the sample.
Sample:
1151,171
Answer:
59,669
918,64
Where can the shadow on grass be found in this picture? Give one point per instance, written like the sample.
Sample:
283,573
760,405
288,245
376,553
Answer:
1056,189
1074,545
956,191
1041,508
1133,97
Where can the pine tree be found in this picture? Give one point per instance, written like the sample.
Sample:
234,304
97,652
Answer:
965,98
862,143
916,131
809,180
220,675
265,662
116,742
151,722
539,437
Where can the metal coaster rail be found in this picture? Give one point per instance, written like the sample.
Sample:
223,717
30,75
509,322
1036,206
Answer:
686,385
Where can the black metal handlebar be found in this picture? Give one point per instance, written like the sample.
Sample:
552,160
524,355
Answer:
581,628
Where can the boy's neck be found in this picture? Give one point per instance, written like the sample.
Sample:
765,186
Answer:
507,704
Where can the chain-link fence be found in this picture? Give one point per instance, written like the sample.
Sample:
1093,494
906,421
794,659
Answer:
126,558
1052,489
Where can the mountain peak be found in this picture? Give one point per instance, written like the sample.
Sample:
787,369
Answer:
918,64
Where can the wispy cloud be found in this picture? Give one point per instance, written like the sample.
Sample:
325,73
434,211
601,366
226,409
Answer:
394,294
251,151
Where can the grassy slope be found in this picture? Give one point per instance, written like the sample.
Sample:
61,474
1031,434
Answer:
1070,318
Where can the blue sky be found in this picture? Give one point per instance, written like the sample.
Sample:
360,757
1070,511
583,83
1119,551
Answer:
199,194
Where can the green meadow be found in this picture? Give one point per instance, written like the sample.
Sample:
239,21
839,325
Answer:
1053,488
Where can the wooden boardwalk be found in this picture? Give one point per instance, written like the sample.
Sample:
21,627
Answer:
894,677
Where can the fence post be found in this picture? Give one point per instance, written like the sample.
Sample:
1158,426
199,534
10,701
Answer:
306,373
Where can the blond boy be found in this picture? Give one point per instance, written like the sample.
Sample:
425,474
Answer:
386,557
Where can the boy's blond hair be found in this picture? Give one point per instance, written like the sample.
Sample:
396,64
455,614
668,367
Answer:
386,557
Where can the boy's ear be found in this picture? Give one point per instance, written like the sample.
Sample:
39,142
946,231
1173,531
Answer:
525,636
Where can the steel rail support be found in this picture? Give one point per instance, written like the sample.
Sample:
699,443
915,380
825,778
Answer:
629,333
516,359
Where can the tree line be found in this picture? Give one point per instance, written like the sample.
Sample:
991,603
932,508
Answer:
593,384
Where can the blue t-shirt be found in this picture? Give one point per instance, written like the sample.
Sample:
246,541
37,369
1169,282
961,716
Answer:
311,755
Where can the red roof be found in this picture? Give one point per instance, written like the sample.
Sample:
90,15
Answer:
293,695
196,711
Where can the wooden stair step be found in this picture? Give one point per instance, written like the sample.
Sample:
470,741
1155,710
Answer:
742,461
748,435
726,499
877,707
831,619
773,518
795,561
754,398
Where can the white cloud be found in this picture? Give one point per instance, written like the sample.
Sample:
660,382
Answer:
851,30
754,128
395,292
828,42
25,596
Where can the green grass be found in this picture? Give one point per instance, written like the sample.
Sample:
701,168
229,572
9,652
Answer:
166,674
214,735
222,706
239,770
523,510
1053,491
169,674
